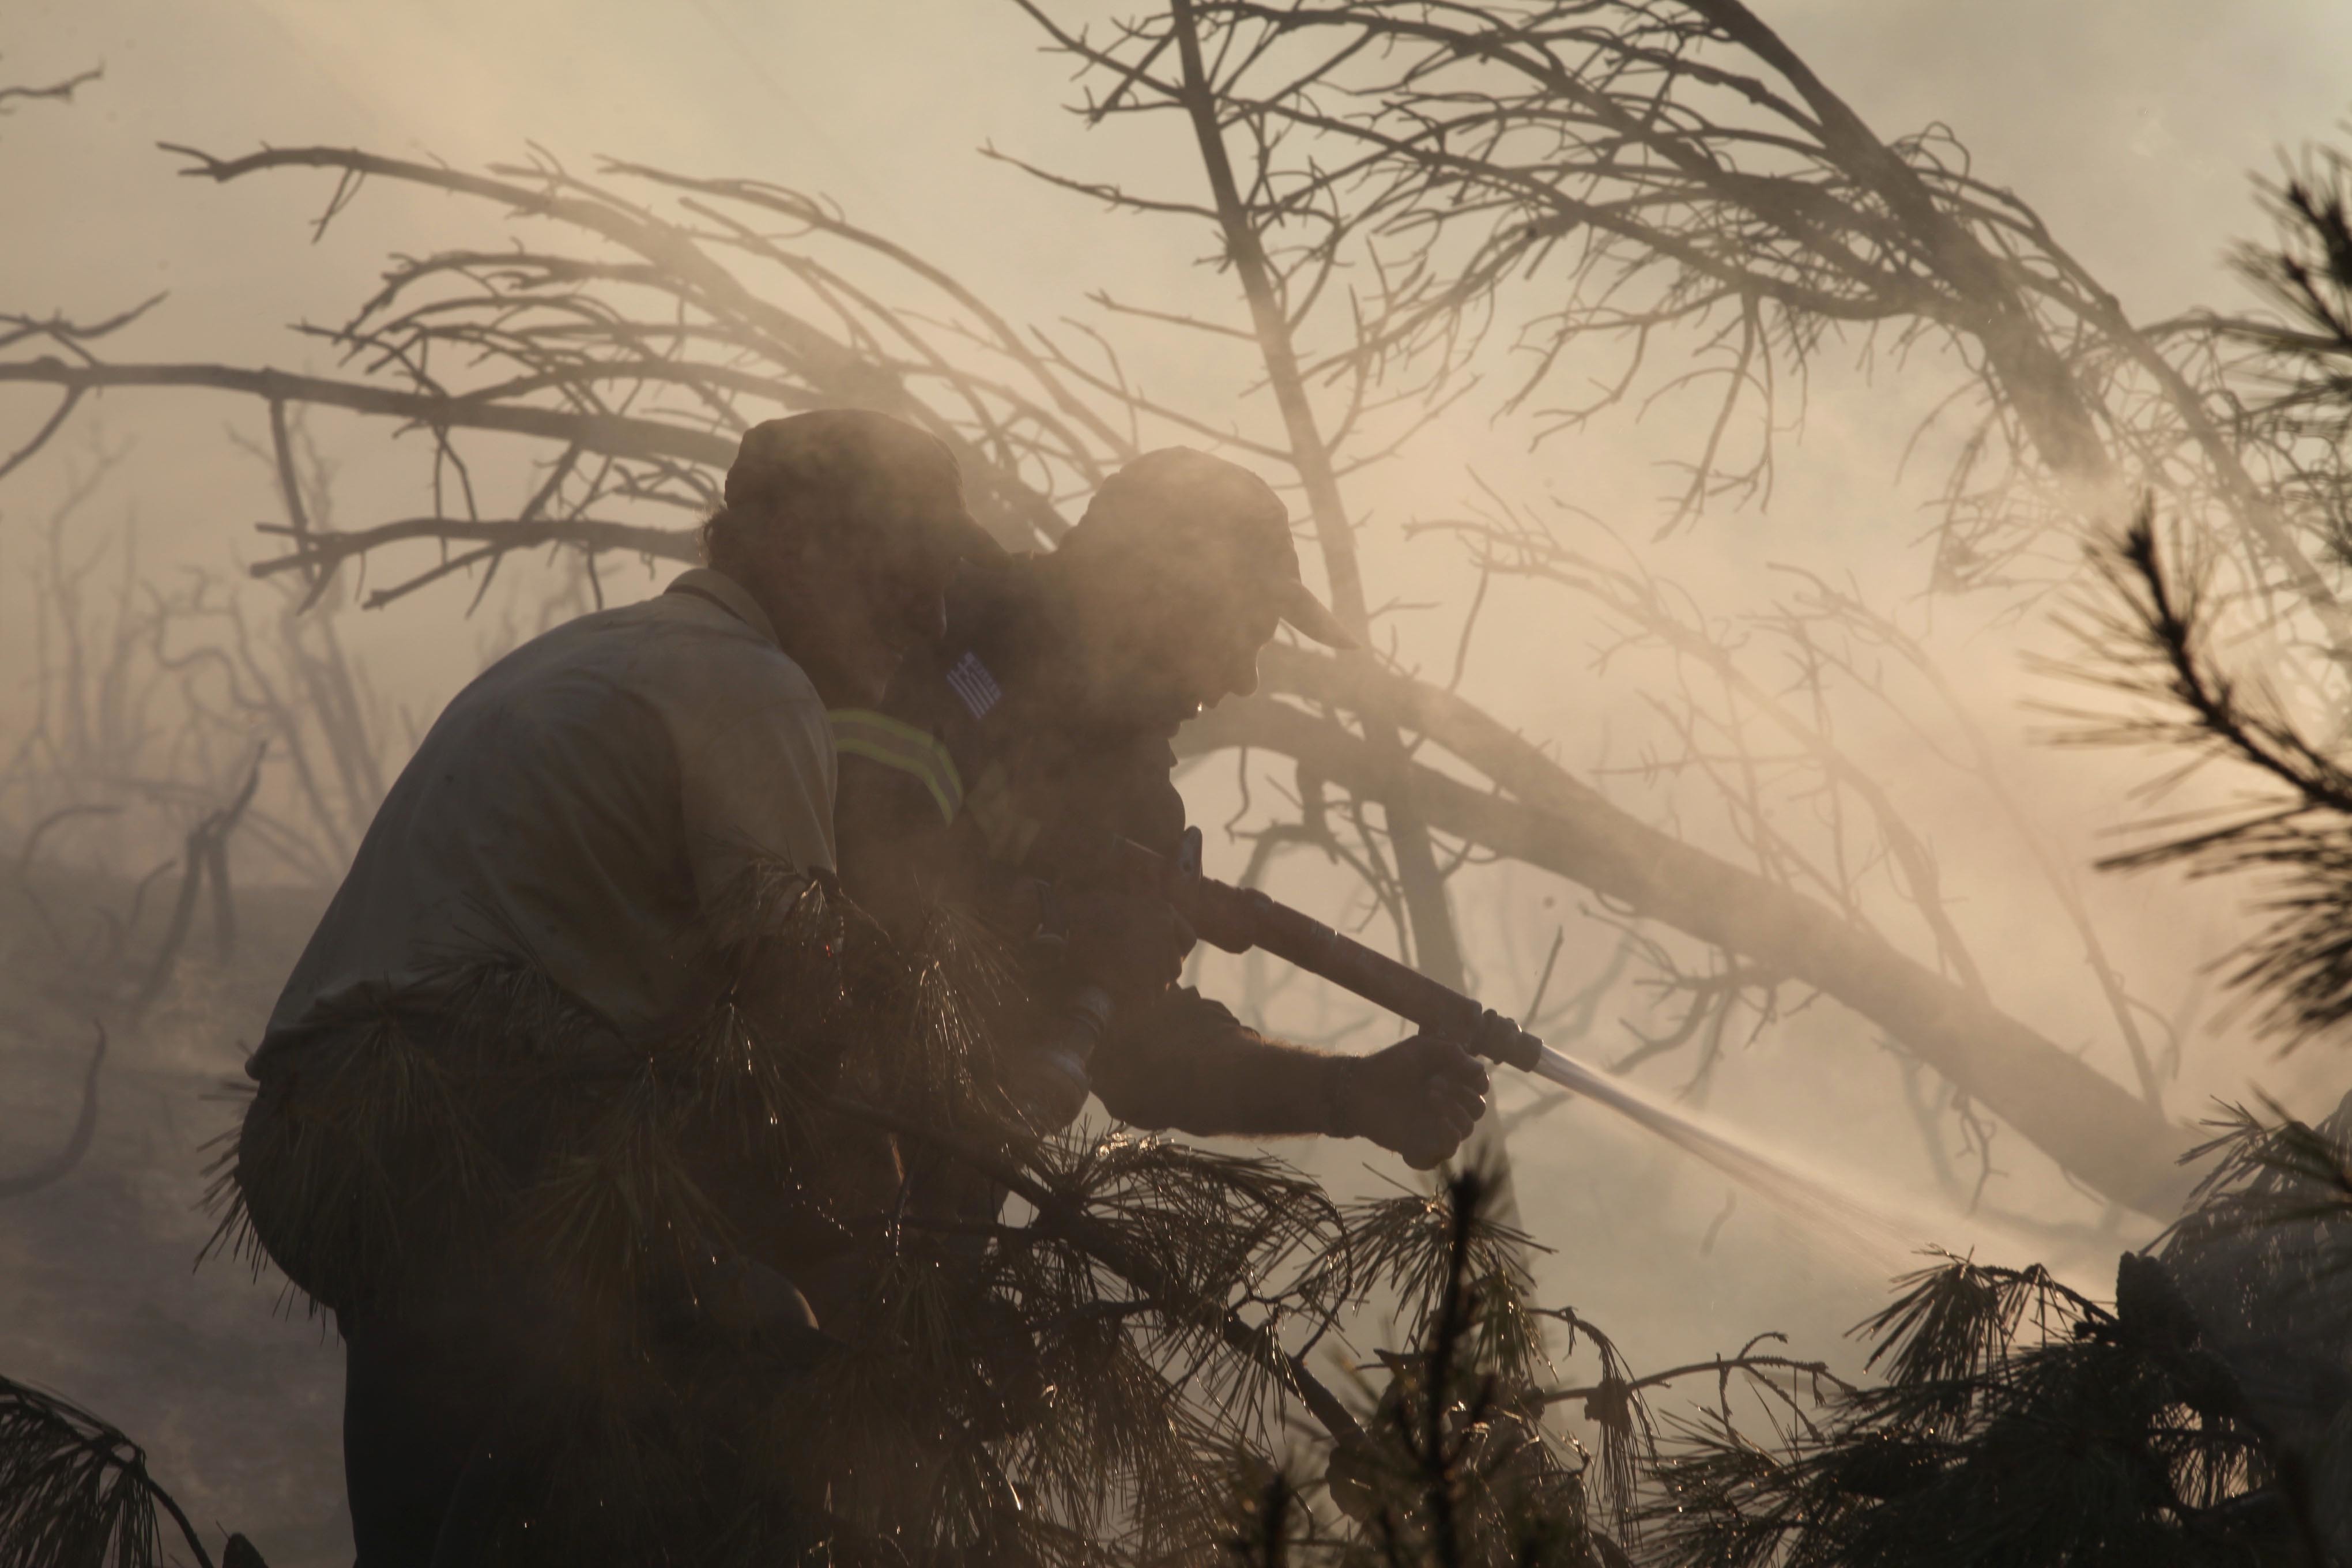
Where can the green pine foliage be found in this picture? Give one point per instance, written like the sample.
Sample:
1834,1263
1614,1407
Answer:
1058,1349
74,1490
2020,1423
2204,1416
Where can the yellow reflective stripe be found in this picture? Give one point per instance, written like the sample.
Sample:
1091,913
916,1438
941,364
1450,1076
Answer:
878,737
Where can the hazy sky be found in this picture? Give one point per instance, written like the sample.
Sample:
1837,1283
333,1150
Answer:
2131,122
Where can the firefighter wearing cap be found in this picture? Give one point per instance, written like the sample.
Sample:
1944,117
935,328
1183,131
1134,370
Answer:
1008,750
570,826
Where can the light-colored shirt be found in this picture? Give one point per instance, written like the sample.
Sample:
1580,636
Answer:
577,809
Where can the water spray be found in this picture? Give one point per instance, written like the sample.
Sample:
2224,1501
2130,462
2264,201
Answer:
1857,1228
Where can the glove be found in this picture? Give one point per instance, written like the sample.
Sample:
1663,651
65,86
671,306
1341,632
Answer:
1420,1098
741,1297
1133,945
742,1300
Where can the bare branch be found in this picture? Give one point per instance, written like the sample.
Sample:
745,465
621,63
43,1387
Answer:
53,92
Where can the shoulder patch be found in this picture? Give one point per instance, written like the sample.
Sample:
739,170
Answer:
974,685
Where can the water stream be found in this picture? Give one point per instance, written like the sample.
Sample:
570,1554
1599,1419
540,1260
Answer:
1856,1229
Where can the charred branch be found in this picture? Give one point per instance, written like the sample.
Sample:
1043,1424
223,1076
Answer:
2111,1141
1650,166
206,860
60,91
85,1130
619,436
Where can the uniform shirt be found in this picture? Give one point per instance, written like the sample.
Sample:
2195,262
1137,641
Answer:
577,809
984,760
984,766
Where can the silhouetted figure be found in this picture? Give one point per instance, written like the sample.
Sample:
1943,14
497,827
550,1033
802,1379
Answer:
1007,756
578,897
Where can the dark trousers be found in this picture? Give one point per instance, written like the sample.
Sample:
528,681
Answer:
456,1415
446,1413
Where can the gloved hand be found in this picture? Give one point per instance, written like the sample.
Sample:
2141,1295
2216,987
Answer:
733,1298
1131,944
1419,1097
741,1297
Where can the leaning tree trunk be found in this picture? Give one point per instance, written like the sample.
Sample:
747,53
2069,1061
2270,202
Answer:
2112,1142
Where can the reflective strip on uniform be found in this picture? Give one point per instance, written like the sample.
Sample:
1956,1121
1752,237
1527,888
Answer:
894,743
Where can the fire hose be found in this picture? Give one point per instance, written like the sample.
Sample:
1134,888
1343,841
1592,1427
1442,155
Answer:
1237,920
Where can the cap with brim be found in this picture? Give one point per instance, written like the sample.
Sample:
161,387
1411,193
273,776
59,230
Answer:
1299,608
871,468
968,540
1185,514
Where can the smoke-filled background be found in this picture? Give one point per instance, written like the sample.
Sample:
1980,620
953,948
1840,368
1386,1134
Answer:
1824,680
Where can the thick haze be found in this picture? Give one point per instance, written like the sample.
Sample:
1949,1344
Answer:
2132,125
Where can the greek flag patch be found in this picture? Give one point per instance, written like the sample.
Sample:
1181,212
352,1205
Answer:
974,685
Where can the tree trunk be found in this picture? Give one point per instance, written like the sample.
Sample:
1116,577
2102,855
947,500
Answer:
2108,1139
1437,952
1436,947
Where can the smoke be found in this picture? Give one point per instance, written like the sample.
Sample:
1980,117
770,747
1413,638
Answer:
2129,125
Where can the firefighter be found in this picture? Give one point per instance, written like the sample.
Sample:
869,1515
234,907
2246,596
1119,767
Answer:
539,899
1008,754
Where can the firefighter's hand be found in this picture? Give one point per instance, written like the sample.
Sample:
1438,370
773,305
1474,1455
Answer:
1131,944
1420,1098
741,1298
